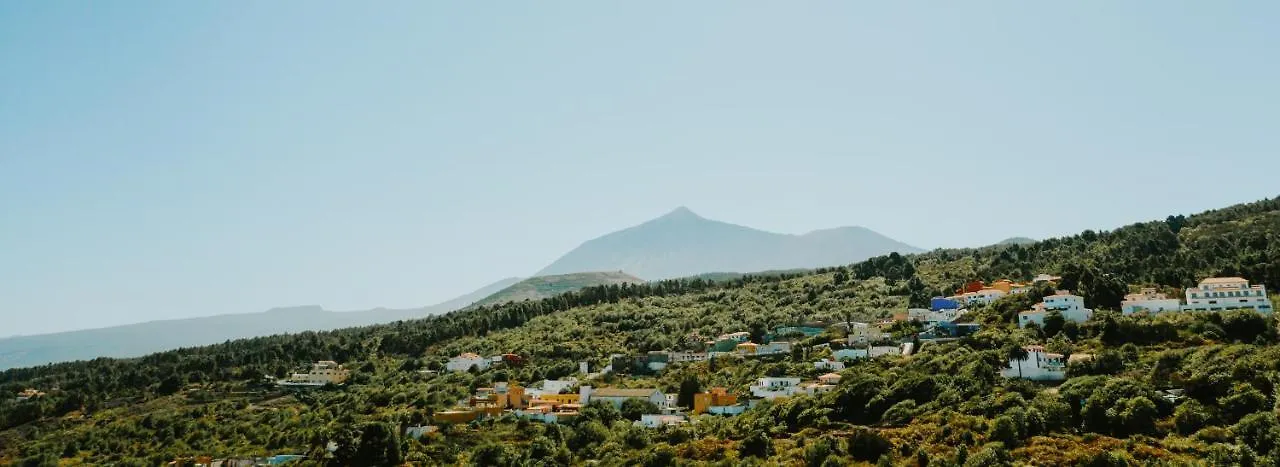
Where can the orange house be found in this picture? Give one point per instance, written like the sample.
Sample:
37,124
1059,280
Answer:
716,397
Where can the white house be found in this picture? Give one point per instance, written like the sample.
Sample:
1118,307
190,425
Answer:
881,350
557,387
739,337
830,378
1069,305
829,365
322,373
985,295
1148,300
772,388
1046,278
863,334
849,354
929,316
660,420
1226,293
467,361
1038,366
773,348
615,396
682,357
814,389
416,432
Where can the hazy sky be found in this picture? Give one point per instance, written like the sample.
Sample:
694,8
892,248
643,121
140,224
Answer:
175,159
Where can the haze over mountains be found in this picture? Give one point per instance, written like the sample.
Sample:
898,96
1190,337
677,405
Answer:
682,243
678,244
134,340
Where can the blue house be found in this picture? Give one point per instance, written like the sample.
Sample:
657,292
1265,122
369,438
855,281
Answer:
940,303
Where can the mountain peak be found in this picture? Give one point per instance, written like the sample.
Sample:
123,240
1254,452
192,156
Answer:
681,213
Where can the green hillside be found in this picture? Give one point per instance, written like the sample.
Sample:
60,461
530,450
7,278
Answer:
945,405
538,288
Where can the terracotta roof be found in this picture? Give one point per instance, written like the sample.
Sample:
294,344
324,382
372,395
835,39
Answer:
616,392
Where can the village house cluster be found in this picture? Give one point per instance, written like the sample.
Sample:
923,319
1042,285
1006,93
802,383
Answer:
947,318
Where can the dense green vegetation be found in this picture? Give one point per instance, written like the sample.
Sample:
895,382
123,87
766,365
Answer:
947,404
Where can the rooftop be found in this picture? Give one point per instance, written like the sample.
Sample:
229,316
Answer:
1223,280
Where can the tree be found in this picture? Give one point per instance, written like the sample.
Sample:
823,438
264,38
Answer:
632,409
1191,416
1019,354
379,445
1053,323
1005,430
688,388
866,444
757,444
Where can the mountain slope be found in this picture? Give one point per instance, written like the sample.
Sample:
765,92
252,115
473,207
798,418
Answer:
681,244
134,340
537,288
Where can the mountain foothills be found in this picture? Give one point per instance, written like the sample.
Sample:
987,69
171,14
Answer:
1168,388
135,340
682,244
540,287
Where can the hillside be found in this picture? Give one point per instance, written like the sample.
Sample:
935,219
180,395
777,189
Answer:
135,340
540,287
682,244
945,405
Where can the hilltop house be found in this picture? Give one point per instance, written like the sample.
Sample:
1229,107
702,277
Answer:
660,420
863,334
28,394
616,396
773,388
1038,366
983,295
1148,300
322,373
844,355
806,331
829,365
814,389
467,361
1226,293
502,396
1071,307
727,342
682,357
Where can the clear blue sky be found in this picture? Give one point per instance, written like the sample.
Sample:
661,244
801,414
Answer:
175,159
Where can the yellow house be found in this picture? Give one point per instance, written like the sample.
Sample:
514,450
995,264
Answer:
561,398
716,397
455,416
747,348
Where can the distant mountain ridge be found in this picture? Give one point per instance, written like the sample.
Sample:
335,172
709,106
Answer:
1017,241
540,287
133,340
682,243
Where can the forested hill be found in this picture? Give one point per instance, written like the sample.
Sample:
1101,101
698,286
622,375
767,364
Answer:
209,400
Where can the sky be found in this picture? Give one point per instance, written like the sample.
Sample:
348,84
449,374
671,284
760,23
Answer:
164,160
